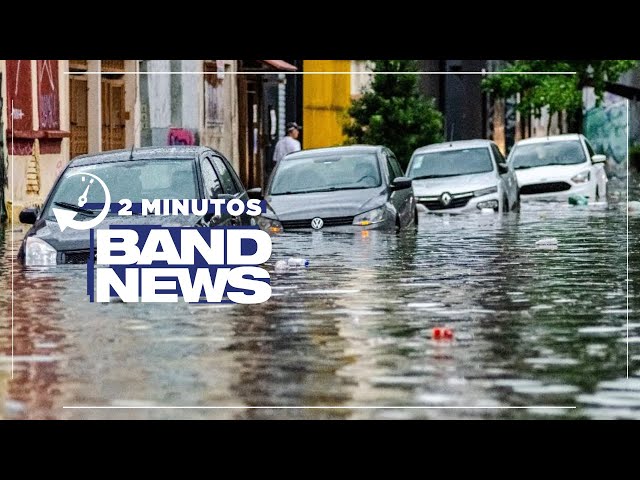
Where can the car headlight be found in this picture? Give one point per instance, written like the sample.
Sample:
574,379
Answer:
269,225
39,253
485,191
582,177
367,218
488,204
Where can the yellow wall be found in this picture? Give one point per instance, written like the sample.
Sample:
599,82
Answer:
325,99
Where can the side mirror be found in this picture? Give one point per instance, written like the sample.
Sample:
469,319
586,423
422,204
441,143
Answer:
598,158
255,193
29,215
503,168
209,217
400,183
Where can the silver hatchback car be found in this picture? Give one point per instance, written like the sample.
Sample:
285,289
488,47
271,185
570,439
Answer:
463,176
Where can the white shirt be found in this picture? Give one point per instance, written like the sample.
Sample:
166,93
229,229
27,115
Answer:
285,146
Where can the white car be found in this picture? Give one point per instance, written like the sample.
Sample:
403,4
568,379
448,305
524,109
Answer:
554,168
463,176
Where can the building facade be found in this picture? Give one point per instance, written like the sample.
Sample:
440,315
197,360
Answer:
189,102
54,110
237,107
36,129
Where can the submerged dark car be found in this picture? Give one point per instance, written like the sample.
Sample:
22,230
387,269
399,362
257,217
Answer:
144,173
350,188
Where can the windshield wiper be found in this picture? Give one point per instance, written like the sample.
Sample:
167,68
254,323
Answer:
330,189
75,208
288,193
333,189
423,177
522,167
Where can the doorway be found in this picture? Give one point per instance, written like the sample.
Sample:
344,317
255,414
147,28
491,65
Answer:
250,130
78,115
113,113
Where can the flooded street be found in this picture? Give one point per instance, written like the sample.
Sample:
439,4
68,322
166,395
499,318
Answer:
531,327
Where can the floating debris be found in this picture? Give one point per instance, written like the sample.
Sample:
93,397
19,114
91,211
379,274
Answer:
578,200
549,243
441,333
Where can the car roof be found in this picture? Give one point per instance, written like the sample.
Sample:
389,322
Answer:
144,153
554,138
334,150
457,145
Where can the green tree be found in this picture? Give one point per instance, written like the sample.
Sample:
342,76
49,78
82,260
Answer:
556,92
394,113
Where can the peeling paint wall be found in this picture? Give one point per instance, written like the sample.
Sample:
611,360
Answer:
173,106
38,161
224,137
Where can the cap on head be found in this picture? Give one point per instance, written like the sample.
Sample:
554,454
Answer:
293,125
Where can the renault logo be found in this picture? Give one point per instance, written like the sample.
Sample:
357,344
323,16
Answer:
445,199
317,223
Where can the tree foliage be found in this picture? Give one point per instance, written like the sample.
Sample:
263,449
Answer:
557,92
394,113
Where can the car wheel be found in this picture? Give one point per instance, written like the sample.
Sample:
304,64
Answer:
415,219
398,225
516,207
505,205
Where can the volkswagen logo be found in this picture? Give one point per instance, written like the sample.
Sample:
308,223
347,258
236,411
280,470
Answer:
317,223
445,199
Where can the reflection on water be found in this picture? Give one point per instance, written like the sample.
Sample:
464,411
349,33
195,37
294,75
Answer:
531,326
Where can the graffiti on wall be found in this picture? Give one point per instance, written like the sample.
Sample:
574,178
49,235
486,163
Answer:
21,134
19,104
181,136
606,129
48,99
19,94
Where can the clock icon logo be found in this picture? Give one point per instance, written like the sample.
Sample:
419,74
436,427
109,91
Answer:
66,218
82,199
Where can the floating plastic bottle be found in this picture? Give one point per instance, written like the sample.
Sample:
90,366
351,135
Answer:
298,262
281,266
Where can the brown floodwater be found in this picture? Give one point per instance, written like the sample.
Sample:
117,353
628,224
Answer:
531,327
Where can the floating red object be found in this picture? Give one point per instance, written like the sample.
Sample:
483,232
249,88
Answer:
440,333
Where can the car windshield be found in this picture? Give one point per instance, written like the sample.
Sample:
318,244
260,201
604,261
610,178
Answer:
547,153
448,163
134,180
326,173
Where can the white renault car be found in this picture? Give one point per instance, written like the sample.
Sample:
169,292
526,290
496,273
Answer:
463,176
553,168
